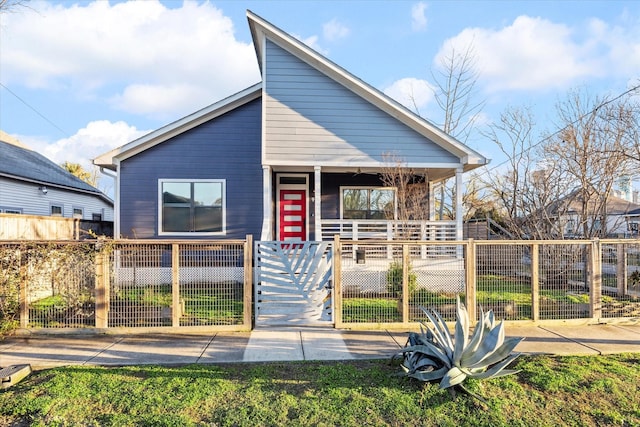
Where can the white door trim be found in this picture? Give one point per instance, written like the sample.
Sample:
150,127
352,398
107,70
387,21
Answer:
292,186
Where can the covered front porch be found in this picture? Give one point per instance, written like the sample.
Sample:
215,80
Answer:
318,204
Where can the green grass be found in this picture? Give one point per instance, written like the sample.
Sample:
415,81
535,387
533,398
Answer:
370,310
493,291
549,391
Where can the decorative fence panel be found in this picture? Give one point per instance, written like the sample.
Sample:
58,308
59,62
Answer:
293,284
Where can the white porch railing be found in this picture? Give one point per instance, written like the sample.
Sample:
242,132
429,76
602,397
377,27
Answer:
388,230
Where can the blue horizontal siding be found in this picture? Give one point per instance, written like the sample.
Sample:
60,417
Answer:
227,147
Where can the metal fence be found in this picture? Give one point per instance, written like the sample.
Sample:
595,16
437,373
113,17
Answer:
209,284
125,284
381,283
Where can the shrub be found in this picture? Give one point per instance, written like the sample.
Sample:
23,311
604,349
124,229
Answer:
394,279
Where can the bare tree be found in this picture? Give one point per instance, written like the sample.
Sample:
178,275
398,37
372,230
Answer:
590,148
455,94
412,189
525,187
455,80
567,176
8,6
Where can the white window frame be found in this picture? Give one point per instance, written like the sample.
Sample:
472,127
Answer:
368,187
223,182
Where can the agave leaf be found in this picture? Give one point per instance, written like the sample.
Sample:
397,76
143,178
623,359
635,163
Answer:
497,370
461,331
426,362
479,332
499,354
429,350
476,337
445,330
430,375
440,332
453,376
488,345
490,320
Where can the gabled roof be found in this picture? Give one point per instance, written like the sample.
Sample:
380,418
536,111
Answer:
573,204
259,30
262,30
109,160
23,164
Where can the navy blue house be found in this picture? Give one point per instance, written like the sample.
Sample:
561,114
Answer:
298,156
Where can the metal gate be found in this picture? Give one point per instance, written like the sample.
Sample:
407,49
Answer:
293,283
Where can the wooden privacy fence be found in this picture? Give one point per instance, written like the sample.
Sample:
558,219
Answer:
35,227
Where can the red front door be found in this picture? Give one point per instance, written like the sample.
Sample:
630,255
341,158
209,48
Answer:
292,215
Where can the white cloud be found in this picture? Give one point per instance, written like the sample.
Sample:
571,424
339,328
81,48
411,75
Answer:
95,138
535,53
312,42
158,100
112,50
334,30
415,94
418,16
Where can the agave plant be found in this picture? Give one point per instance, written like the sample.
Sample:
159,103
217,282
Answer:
434,354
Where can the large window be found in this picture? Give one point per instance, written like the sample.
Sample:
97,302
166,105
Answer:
192,206
368,203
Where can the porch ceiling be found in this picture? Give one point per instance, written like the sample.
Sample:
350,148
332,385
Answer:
434,174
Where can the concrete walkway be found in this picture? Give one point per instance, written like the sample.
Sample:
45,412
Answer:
285,344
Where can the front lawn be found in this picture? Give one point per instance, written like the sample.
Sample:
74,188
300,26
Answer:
549,391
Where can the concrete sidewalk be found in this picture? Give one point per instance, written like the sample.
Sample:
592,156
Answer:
286,344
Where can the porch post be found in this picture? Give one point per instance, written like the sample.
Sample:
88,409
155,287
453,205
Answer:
317,196
459,207
432,201
267,211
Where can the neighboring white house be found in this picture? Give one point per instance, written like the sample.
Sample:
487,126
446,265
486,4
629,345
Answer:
620,219
31,184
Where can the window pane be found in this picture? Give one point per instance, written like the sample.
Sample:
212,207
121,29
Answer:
208,219
382,206
176,192
176,218
207,194
355,203
362,203
56,210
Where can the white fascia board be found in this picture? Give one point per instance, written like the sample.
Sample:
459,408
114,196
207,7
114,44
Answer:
108,160
261,29
377,165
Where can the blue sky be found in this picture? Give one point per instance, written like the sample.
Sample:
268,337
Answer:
81,78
